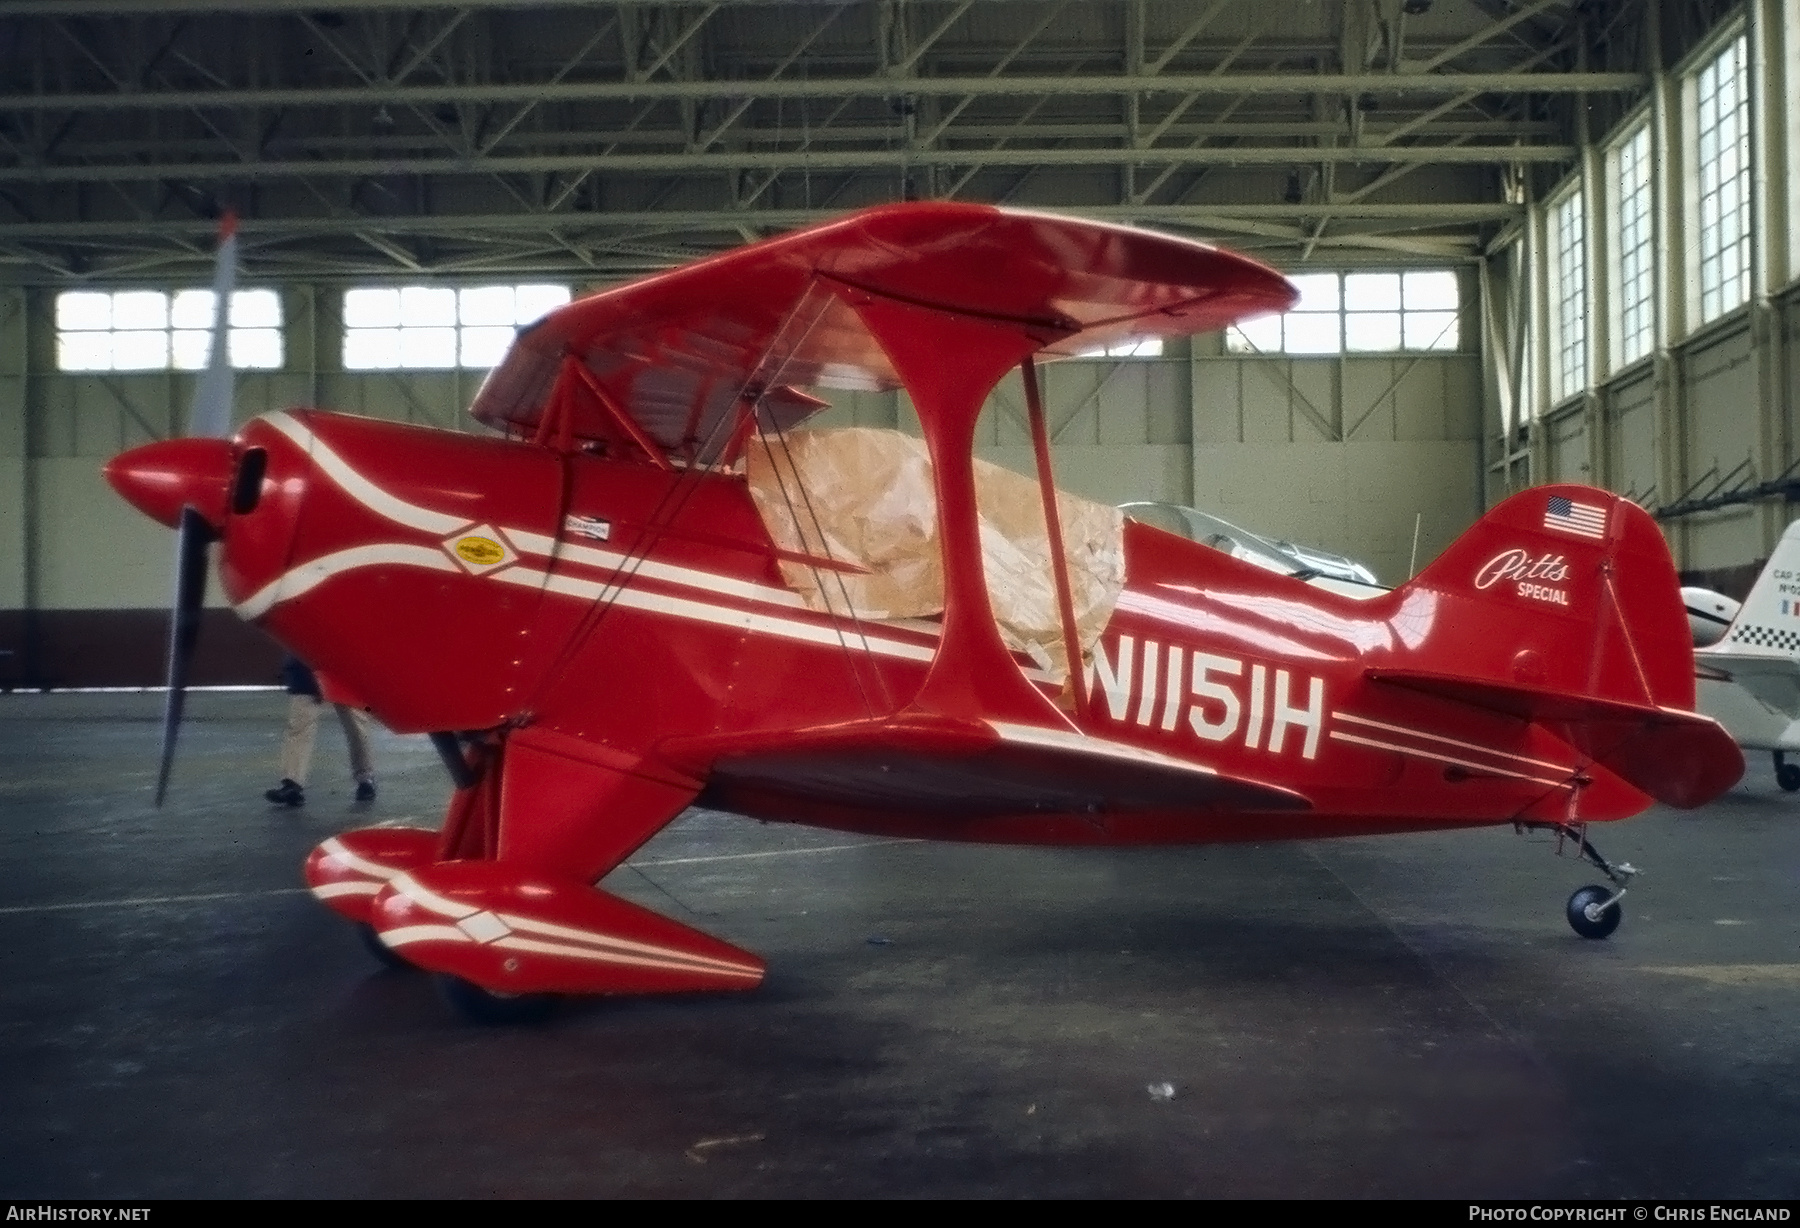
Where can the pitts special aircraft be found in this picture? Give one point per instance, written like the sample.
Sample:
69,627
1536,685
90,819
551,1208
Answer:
654,591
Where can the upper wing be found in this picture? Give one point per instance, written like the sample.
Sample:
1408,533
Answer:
677,351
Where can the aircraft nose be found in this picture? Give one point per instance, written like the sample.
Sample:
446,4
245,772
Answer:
159,479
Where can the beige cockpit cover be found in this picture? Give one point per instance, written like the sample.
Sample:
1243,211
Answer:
865,497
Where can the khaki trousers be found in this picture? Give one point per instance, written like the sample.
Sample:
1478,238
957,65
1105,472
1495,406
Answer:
302,731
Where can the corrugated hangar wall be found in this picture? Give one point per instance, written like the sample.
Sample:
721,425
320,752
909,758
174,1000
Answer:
1720,411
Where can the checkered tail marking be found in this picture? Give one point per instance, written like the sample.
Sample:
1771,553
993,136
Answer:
1758,636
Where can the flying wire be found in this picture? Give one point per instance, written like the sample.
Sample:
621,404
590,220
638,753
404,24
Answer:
674,498
661,516
819,581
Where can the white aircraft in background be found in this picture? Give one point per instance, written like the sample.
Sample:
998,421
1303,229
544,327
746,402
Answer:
1747,658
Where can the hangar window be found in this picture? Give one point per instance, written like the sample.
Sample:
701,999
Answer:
437,328
1143,347
1635,325
1722,134
1359,313
150,330
1568,297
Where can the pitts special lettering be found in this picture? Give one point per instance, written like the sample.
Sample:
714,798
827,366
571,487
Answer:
1536,578
1223,696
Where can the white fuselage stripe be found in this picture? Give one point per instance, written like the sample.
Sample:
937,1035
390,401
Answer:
362,489
308,576
724,616
1435,737
1435,757
538,544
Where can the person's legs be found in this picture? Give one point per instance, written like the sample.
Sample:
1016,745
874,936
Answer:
296,750
362,760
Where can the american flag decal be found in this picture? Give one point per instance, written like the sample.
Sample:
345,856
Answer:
1581,519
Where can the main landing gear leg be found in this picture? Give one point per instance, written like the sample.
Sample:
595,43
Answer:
1593,910
1787,775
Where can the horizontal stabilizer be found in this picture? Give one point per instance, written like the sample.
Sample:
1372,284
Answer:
1675,756
1772,679
970,769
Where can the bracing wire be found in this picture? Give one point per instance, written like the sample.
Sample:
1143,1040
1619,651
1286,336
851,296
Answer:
861,633
676,496
850,609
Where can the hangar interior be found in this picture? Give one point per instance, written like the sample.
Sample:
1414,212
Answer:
1542,241
1536,240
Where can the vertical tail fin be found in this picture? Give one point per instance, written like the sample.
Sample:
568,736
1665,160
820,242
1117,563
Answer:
1561,606
1770,616
1568,589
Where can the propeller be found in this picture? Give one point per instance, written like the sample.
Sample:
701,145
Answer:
209,418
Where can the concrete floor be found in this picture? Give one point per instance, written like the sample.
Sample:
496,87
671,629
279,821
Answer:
1395,1017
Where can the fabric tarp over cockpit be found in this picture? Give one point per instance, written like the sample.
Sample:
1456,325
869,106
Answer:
868,503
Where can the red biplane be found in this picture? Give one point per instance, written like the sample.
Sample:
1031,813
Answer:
649,590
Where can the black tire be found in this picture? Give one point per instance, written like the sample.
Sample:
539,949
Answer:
485,1006
384,955
1787,775
1593,927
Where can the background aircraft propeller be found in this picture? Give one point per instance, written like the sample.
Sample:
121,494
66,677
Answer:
210,417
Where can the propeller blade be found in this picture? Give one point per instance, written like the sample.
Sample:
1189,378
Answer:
209,418
193,539
211,413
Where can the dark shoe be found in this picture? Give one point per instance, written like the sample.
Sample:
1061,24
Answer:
365,790
287,793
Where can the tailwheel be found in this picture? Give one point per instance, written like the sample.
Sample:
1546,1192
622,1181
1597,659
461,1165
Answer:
384,955
1594,911
485,1006
1787,775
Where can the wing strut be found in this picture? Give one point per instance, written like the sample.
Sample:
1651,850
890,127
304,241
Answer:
949,363
624,421
1059,561
556,425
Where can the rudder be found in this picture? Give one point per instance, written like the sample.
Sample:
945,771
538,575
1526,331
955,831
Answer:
1561,607
1564,589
